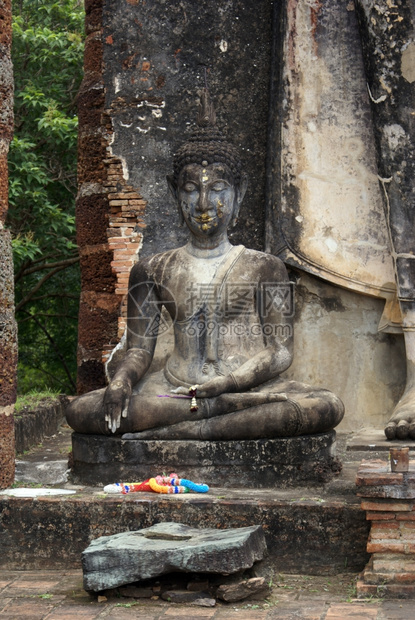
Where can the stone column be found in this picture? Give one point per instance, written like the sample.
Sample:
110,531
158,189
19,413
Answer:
8,332
98,306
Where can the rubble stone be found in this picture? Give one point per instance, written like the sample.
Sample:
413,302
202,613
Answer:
125,558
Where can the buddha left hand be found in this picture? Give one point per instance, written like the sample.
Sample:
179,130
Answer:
211,388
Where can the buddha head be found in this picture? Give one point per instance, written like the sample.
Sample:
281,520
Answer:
207,182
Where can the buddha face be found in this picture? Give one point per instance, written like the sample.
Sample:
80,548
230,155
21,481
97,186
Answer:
207,198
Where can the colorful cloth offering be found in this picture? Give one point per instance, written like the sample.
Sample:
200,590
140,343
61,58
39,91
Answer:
158,484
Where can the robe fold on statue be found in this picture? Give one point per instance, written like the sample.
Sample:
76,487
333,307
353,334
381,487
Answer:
328,216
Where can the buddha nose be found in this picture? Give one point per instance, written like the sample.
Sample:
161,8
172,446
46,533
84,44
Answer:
203,204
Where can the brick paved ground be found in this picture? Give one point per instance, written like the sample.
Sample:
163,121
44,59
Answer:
58,595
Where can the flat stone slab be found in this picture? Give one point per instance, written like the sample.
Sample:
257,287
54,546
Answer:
48,472
112,561
263,463
374,440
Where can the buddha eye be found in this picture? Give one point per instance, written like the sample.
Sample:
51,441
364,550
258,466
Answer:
189,187
219,187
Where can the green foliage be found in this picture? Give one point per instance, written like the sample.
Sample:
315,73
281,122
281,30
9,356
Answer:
47,56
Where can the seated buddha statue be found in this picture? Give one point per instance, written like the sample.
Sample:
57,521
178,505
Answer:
232,320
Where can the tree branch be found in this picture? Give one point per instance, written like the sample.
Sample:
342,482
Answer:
66,295
55,348
45,278
48,316
63,263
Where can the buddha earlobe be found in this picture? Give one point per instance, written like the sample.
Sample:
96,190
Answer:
241,188
172,186
174,193
240,191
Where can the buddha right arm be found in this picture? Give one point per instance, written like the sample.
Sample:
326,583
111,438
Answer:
117,395
142,312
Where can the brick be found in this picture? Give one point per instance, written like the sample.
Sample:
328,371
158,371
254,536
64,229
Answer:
377,478
123,196
386,547
340,611
117,246
365,589
406,517
385,577
393,563
186,613
124,252
393,590
402,577
381,516
384,535
118,203
387,506
385,525
128,214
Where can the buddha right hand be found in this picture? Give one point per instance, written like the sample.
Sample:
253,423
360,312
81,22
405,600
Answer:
116,399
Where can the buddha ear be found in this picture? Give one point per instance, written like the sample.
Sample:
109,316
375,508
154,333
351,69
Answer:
172,185
240,191
174,193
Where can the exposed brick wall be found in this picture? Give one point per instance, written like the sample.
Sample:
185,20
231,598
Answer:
108,215
389,500
8,333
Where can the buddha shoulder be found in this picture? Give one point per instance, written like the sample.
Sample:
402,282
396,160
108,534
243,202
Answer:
153,267
262,266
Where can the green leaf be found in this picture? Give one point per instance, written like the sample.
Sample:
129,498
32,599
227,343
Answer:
47,54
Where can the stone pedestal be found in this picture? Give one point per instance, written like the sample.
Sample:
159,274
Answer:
265,463
389,500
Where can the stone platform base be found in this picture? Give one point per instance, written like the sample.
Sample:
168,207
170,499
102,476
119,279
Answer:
306,532
265,463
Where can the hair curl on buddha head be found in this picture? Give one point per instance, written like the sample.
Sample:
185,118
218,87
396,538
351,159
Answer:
207,144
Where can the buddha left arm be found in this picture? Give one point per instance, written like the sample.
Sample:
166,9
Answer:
266,365
274,303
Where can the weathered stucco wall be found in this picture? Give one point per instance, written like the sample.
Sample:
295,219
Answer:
8,334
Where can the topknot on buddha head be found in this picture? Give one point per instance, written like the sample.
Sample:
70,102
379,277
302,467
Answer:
207,145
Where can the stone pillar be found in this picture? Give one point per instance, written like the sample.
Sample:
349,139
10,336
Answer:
389,500
98,305
8,332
